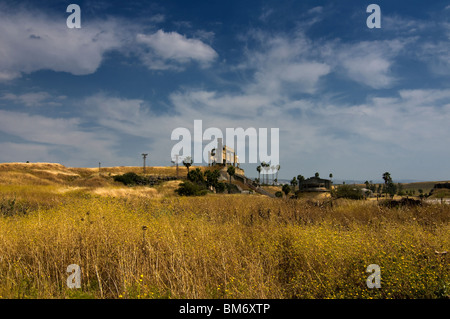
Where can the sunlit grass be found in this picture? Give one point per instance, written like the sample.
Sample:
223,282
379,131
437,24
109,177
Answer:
219,246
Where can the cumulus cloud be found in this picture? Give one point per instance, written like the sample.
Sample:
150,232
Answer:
32,40
165,48
281,62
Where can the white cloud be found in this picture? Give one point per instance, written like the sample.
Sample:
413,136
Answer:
367,62
130,116
33,99
169,47
59,135
283,63
33,41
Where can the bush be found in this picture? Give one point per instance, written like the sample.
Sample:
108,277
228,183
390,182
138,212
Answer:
232,189
279,194
191,189
196,176
132,179
220,187
349,191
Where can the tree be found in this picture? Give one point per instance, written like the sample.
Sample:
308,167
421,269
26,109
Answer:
331,176
265,167
231,171
278,169
212,180
286,189
273,168
187,162
196,176
316,174
379,189
259,171
294,183
300,180
387,179
389,187
372,187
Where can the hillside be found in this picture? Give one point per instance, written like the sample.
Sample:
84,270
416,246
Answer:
21,179
57,174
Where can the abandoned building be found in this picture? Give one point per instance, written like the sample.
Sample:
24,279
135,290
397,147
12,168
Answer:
226,157
315,184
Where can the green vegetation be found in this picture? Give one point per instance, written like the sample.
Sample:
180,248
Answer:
349,191
132,179
200,183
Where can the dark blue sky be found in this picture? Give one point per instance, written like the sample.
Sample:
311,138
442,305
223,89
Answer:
347,99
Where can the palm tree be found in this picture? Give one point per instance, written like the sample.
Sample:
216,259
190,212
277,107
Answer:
265,165
387,180
187,162
259,172
231,171
278,169
273,169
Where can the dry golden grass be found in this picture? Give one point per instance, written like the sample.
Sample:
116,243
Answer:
216,246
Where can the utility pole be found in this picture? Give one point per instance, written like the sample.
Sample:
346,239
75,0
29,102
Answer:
144,156
176,161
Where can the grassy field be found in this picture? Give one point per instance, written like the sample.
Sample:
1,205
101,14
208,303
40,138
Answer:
142,242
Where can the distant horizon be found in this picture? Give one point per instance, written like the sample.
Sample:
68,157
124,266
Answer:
334,180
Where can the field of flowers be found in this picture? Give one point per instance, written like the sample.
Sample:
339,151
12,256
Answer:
217,246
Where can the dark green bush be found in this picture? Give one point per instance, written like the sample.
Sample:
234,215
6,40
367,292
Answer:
191,189
132,179
349,191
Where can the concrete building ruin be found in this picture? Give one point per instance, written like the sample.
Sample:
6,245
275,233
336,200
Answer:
225,157
315,184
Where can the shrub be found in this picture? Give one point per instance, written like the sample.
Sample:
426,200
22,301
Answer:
131,179
349,191
279,194
286,189
196,176
220,187
232,189
191,189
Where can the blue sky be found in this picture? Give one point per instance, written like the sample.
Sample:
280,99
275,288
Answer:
348,100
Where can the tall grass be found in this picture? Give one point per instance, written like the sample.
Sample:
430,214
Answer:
227,246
